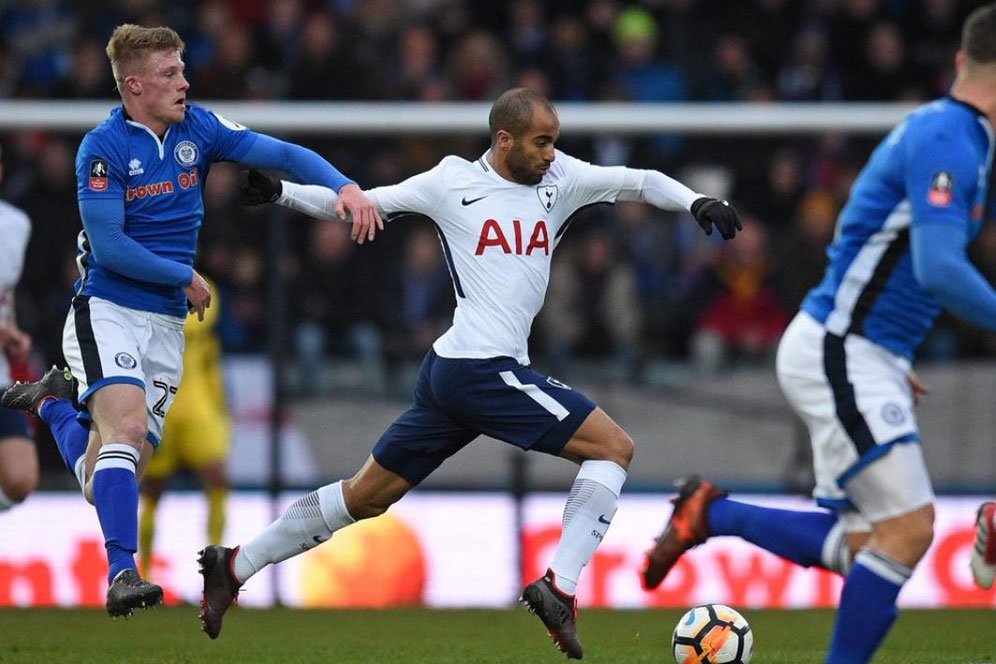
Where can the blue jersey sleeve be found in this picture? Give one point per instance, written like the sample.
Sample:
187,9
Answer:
307,166
941,267
103,221
942,175
100,171
234,142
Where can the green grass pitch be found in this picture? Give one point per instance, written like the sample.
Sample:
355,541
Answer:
282,636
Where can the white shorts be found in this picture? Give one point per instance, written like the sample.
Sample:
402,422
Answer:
105,343
854,396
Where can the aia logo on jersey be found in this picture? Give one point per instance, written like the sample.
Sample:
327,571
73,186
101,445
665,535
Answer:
98,175
492,235
941,190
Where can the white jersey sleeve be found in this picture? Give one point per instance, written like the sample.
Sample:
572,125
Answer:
15,229
418,194
588,184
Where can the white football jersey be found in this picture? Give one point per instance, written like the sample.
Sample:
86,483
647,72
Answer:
498,236
15,229
498,239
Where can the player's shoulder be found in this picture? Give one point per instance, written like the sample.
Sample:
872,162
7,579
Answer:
201,117
109,135
454,164
454,170
565,165
13,218
943,118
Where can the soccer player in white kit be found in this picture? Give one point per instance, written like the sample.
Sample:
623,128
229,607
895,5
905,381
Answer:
499,219
18,458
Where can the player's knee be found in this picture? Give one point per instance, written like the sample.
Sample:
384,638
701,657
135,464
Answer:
620,448
368,509
18,488
131,431
907,538
920,535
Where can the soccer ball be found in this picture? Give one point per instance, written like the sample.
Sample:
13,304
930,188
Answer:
712,634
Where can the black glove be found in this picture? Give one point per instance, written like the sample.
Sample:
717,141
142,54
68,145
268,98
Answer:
258,188
710,212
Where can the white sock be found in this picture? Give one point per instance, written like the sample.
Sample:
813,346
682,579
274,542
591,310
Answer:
308,522
80,472
836,555
587,514
5,502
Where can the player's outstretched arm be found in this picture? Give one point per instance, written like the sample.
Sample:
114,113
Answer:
258,188
666,193
307,166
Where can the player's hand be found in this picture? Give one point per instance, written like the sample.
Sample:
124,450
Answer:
710,212
366,218
258,188
920,389
198,295
14,342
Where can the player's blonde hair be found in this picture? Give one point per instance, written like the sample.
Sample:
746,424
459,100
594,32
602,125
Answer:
978,36
130,43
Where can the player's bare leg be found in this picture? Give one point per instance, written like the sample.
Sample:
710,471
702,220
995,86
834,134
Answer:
868,600
119,415
18,470
604,451
307,523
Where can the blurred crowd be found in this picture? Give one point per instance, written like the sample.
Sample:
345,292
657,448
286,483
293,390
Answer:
631,285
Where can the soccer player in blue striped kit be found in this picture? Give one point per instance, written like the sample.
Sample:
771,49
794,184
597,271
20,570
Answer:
139,177
499,219
845,361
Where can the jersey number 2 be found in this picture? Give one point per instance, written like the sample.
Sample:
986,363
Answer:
160,407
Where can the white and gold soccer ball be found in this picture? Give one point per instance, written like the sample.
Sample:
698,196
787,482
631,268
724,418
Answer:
712,634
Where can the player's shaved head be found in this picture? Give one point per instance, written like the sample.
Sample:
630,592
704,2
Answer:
129,44
513,111
978,37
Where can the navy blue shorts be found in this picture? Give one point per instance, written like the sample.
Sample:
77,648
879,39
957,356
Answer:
456,400
13,423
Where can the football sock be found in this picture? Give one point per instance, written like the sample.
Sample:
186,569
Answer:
216,514
792,534
115,495
5,502
587,515
70,436
867,607
308,522
146,533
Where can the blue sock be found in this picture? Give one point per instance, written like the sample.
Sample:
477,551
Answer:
115,495
70,436
867,607
795,535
